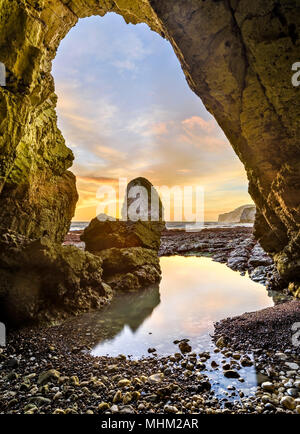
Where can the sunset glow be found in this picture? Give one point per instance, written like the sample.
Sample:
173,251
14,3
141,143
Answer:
125,110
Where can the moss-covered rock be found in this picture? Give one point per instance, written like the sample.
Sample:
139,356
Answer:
100,235
42,281
130,269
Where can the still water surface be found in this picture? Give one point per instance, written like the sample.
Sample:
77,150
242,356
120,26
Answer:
193,294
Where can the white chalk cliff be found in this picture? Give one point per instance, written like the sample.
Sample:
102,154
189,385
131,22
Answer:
242,214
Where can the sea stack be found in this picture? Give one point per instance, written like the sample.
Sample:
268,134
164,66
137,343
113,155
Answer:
129,246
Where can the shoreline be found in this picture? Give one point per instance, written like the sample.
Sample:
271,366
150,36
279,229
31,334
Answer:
45,373
49,370
233,246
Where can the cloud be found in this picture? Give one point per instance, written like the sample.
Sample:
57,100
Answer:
154,120
160,128
88,109
93,41
97,180
197,122
129,52
178,158
189,152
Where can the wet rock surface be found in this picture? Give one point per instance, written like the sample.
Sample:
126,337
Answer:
129,251
101,235
130,269
45,282
235,247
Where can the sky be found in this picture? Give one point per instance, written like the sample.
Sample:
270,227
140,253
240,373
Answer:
126,110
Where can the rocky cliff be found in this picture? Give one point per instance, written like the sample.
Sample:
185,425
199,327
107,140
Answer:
242,214
237,57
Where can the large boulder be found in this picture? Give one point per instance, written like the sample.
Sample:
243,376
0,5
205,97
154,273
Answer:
130,269
42,281
100,235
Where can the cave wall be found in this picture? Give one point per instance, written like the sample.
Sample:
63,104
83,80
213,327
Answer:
237,56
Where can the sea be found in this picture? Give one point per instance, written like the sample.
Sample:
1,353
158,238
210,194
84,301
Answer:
81,225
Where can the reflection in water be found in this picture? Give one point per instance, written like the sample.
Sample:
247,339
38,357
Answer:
127,311
195,292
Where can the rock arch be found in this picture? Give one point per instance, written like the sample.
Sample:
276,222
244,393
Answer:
237,57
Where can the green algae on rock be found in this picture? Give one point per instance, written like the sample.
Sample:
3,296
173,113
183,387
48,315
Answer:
100,235
44,282
130,269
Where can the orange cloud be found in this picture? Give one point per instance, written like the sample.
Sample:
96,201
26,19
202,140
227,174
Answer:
197,121
159,128
97,179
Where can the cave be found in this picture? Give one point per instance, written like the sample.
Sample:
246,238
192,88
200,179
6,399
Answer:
237,56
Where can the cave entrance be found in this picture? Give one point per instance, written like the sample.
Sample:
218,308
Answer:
126,110
238,63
